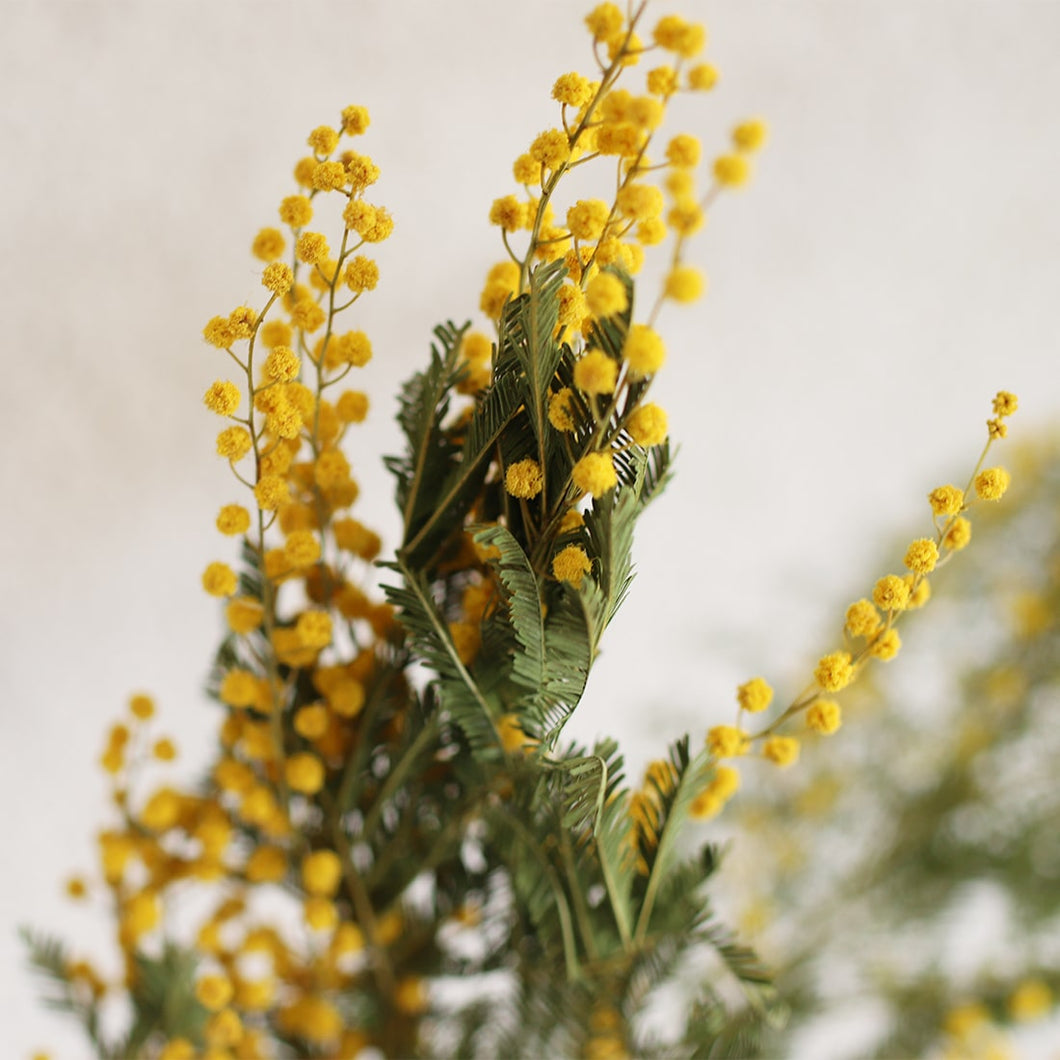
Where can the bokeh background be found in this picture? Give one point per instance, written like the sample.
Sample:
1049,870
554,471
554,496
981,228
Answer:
894,263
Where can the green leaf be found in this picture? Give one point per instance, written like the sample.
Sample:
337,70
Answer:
457,689
422,406
552,656
449,501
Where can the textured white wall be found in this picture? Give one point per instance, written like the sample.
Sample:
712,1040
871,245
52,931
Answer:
893,264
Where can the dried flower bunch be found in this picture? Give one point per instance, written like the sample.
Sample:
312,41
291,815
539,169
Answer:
365,834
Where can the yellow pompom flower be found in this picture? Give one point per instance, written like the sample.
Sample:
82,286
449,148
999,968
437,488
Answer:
662,81
684,151
362,274
750,135
526,170
311,722
990,485
296,211
550,148
321,873
570,565
959,535
219,579
1032,999
304,773
922,556
572,89
648,425
560,410
410,996
946,500
640,202
587,217
239,688
277,277
754,695
323,139
234,443
177,1049
684,284
355,120
328,176
352,406
312,248
727,741
781,750
266,865
223,398
675,34
268,244
595,372
508,213
732,171
214,992
244,614
605,22
595,474
703,77
271,492
605,295
862,619
824,716
834,671
891,593
886,645
524,479
1005,403
301,549
142,914
644,350
233,519
282,364
165,750
314,629
142,706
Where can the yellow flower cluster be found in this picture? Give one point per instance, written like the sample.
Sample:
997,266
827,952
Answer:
294,522
606,121
869,628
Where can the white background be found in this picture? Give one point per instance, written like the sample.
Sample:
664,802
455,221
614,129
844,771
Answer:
893,264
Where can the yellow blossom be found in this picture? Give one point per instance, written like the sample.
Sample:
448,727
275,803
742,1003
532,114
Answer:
648,425
560,410
595,474
959,534
595,372
321,872
684,284
834,671
781,750
605,296
886,645
990,485
862,619
571,564
732,171
219,579
305,773
749,135
946,500
754,695
223,398
524,479
922,555
726,741
891,593
644,350
824,716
